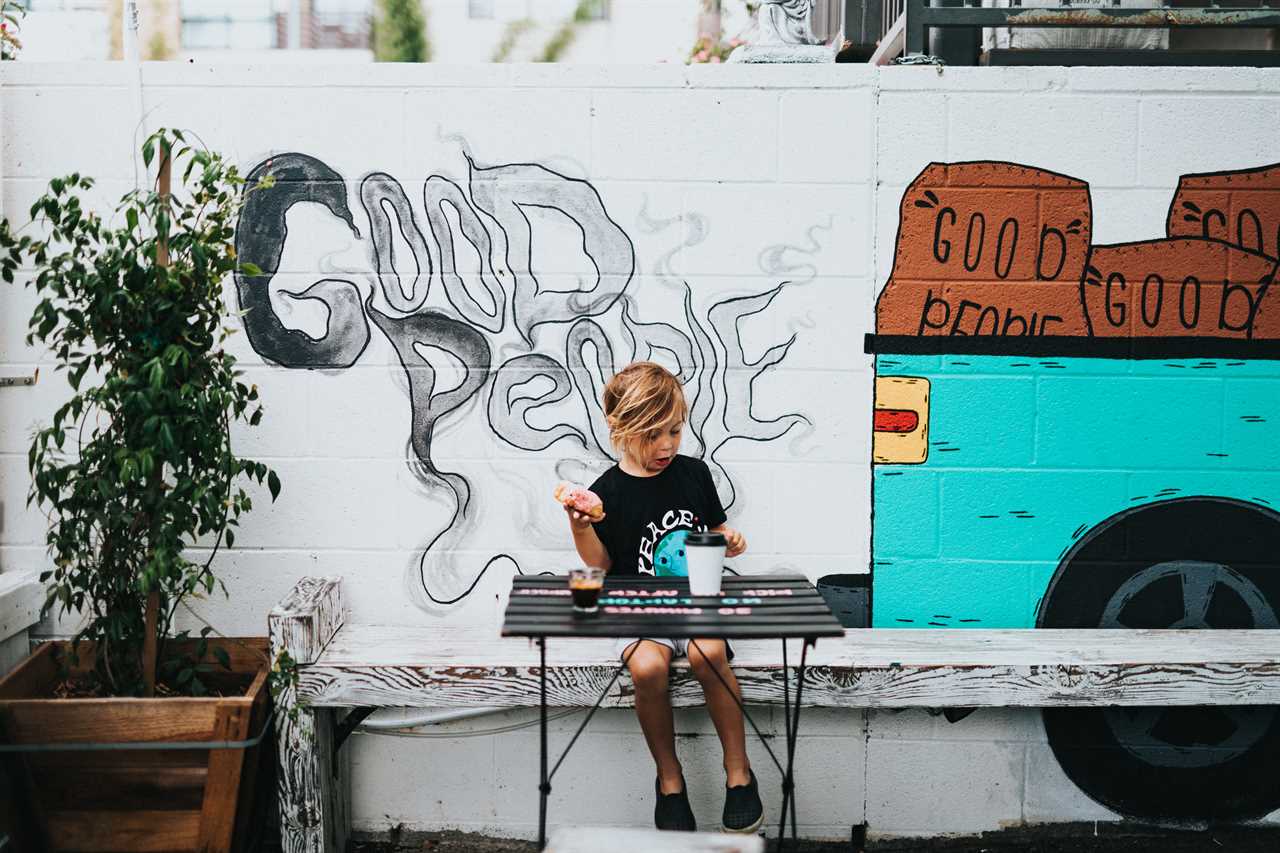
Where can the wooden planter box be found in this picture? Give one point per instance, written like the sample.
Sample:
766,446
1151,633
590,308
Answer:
134,800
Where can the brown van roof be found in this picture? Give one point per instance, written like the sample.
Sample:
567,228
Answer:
994,249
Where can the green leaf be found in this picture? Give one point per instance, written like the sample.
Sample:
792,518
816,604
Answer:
273,485
231,537
222,656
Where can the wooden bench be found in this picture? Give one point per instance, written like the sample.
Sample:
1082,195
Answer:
341,666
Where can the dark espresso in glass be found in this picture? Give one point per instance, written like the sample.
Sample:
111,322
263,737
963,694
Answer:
586,595
585,585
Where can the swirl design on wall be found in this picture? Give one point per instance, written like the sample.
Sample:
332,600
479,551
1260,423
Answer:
494,321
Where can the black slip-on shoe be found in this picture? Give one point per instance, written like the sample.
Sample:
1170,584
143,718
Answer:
743,811
672,811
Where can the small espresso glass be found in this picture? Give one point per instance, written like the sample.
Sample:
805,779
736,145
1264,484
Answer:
585,584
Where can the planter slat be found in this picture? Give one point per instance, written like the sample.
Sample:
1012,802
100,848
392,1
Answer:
141,831
218,811
109,720
145,761
111,789
251,802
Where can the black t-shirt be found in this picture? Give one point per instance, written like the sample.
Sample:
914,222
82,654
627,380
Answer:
647,518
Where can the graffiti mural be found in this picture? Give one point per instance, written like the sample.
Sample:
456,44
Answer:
1091,430
488,337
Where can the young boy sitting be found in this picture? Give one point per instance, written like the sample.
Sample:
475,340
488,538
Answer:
652,499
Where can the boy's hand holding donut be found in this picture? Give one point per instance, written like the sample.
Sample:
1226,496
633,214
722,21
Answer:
582,505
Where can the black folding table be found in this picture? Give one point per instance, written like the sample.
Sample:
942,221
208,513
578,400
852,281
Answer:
775,606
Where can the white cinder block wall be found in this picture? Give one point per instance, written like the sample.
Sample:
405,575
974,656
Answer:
731,180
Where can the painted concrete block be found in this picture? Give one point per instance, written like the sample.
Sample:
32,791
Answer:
827,137
1035,513
367,134
553,129
689,146
994,127
1129,422
1177,135
920,787
19,423
803,527
436,782
834,219
976,422
1051,796
19,524
903,532
1000,79
57,144
780,393
1125,214
1100,79
993,725
914,126
947,593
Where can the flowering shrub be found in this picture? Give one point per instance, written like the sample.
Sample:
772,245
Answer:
712,50
10,13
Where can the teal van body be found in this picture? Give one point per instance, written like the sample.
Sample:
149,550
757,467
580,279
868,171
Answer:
1027,455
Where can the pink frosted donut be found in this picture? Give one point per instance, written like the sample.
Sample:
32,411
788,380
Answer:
581,499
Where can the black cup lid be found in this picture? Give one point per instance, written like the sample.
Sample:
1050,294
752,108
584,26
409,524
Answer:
705,538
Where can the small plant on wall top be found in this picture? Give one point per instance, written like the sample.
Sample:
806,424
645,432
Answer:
11,14
400,32
137,467
584,12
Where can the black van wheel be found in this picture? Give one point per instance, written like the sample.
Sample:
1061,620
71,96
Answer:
1186,563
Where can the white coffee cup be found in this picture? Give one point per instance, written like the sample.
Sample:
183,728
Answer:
704,556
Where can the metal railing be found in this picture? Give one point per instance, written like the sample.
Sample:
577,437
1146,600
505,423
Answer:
337,30
921,17
889,12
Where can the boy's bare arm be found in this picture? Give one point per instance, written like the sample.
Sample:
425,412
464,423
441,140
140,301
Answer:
585,540
735,542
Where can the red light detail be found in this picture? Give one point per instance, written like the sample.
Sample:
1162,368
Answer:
896,420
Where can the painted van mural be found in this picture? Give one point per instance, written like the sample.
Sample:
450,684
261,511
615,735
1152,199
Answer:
1070,435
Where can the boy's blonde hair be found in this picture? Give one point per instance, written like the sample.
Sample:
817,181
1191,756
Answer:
642,397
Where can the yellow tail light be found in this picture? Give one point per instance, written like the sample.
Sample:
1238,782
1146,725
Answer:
901,430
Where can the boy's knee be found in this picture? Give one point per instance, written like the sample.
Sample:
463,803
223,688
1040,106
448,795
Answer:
706,655
649,668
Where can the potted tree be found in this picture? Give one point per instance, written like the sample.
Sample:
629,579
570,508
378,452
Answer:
135,471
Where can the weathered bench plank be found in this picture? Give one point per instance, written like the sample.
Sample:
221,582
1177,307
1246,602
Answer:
616,840
391,666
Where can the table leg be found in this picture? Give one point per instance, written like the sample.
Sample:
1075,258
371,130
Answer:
786,722
544,784
795,735
792,725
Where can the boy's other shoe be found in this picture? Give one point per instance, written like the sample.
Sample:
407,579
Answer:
743,811
672,810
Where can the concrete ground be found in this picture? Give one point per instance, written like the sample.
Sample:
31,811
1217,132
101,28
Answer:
1057,838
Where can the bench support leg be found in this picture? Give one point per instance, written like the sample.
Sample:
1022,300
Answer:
312,783
311,777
